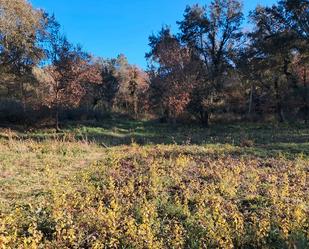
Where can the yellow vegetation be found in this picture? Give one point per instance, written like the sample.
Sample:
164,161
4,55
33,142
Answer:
168,197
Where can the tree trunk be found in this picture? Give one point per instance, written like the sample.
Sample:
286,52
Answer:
171,117
305,98
279,107
23,102
289,76
57,119
251,100
204,115
135,107
57,100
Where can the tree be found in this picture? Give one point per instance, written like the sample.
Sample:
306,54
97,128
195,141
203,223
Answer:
213,34
69,68
300,69
20,29
137,87
20,26
122,73
295,16
274,43
172,74
110,83
122,85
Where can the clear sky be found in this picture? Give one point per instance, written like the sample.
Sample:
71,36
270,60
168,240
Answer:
109,27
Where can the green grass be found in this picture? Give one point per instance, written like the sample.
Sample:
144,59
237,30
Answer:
263,139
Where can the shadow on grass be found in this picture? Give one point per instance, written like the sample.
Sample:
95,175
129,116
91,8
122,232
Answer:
261,139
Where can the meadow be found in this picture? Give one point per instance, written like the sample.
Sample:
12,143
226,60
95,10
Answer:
135,184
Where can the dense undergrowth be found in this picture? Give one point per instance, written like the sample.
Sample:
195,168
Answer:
78,194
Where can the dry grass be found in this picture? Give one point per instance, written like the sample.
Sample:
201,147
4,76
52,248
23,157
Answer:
66,192
25,166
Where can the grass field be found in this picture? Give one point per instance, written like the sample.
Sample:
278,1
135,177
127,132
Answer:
130,184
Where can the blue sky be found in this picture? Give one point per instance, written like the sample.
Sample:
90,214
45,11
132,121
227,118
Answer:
109,27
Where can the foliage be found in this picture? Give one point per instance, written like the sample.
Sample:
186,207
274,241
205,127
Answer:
229,71
173,81
210,70
162,196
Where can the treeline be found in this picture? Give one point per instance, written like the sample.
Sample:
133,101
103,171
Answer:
214,68
45,78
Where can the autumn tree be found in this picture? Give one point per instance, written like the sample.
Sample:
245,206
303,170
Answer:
275,42
20,28
295,16
137,87
122,74
172,74
214,34
133,89
122,85
69,66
